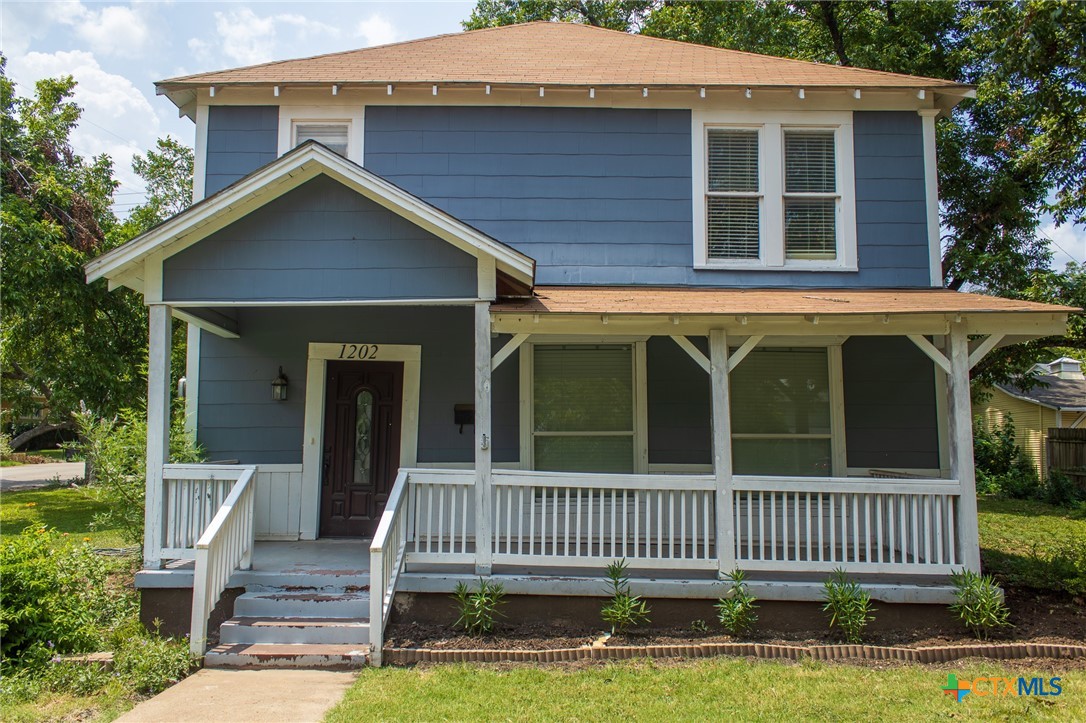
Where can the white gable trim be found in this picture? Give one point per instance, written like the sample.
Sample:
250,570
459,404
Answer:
277,178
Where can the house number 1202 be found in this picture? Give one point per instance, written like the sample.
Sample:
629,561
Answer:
358,351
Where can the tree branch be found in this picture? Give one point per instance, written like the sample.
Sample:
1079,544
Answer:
43,428
829,18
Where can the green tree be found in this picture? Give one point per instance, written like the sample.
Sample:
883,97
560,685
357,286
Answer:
167,173
65,344
615,14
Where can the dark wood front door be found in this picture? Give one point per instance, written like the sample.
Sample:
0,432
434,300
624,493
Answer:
361,445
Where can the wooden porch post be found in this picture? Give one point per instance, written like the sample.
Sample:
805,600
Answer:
961,445
483,437
158,429
722,450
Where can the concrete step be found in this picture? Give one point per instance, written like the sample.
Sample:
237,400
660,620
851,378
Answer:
341,631
260,655
303,604
343,579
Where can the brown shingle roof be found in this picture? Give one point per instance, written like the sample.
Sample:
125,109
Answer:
552,54
755,302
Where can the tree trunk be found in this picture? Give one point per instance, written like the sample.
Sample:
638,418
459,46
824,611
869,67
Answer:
43,428
829,17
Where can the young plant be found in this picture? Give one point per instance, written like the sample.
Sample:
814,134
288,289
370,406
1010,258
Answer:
478,610
848,604
979,604
699,626
623,610
736,610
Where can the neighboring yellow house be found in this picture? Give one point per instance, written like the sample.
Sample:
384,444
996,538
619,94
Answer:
1058,400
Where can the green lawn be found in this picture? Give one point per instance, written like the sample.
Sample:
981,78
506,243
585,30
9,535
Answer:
720,689
1018,539
66,509
105,705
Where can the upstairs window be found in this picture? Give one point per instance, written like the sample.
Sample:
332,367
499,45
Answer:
774,193
333,135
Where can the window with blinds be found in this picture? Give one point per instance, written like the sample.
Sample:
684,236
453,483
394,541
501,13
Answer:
781,420
583,408
333,135
810,195
733,201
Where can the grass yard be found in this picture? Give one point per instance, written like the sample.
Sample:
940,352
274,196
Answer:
719,689
1022,541
66,509
105,705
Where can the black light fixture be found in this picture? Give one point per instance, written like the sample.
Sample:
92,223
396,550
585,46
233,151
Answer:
279,387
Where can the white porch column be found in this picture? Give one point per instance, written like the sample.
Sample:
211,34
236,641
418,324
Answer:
158,429
483,437
961,445
722,450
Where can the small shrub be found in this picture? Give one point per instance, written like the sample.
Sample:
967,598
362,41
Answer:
1067,564
478,610
699,626
1060,490
623,610
848,604
979,604
148,663
1020,482
736,610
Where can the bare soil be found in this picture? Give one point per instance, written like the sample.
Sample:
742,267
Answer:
1036,618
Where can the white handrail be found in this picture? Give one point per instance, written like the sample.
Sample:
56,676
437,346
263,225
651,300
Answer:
386,561
226,545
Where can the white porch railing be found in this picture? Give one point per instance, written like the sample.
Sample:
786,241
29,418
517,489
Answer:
192,495
225,546
819,524
386,560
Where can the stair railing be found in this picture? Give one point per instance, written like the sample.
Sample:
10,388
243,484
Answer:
386,561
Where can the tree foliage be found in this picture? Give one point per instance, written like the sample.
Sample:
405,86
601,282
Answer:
65,343
615,15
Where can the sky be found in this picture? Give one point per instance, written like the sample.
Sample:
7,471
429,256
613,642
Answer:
116,51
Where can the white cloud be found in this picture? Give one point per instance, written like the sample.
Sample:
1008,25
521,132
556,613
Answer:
114,30
377,30
117,118
1068,243
249,39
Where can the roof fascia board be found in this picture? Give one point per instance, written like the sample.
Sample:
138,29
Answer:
283,175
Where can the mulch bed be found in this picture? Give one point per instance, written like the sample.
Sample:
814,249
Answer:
1041,620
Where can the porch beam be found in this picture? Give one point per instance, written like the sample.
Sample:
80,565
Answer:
722,450
695,353
932,353
741,353
983,348
962,466
507,351
211,321
160,335
483,522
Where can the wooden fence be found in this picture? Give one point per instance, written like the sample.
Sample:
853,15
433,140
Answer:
1066,449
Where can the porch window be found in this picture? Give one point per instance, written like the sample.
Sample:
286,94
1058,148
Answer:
582,417
333,135
781,413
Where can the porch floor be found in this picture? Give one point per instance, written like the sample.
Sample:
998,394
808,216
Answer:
322,557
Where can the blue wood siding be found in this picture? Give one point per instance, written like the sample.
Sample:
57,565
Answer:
238,419
890,413
603,196
320,241
240,139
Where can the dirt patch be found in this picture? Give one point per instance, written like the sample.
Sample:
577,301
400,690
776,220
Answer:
1036,618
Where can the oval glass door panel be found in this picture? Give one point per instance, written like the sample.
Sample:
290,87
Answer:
363,438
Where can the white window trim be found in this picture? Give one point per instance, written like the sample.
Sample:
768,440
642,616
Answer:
771,179
353,116
640,386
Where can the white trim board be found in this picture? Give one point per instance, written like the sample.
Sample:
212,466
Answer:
315,386
354,116
277,178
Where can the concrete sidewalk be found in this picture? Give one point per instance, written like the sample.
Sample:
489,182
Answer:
225,696
30,476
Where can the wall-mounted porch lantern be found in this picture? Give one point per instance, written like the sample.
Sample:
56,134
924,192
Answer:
279,387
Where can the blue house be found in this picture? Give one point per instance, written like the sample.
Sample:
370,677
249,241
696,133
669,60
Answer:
525,301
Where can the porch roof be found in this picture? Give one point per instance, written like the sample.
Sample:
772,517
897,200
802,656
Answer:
644,300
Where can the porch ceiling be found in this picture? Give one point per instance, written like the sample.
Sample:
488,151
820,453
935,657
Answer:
671,310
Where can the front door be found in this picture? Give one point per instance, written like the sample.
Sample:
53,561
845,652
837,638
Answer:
361,445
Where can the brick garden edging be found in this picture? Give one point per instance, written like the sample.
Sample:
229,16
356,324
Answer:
938,654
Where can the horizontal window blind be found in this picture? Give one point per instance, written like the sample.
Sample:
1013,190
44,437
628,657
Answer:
734,225
809,162
583,408
333,135
733,161
810,228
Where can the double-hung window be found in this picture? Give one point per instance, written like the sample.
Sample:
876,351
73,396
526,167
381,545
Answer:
774,191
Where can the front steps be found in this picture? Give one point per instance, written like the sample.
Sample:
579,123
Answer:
296,620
